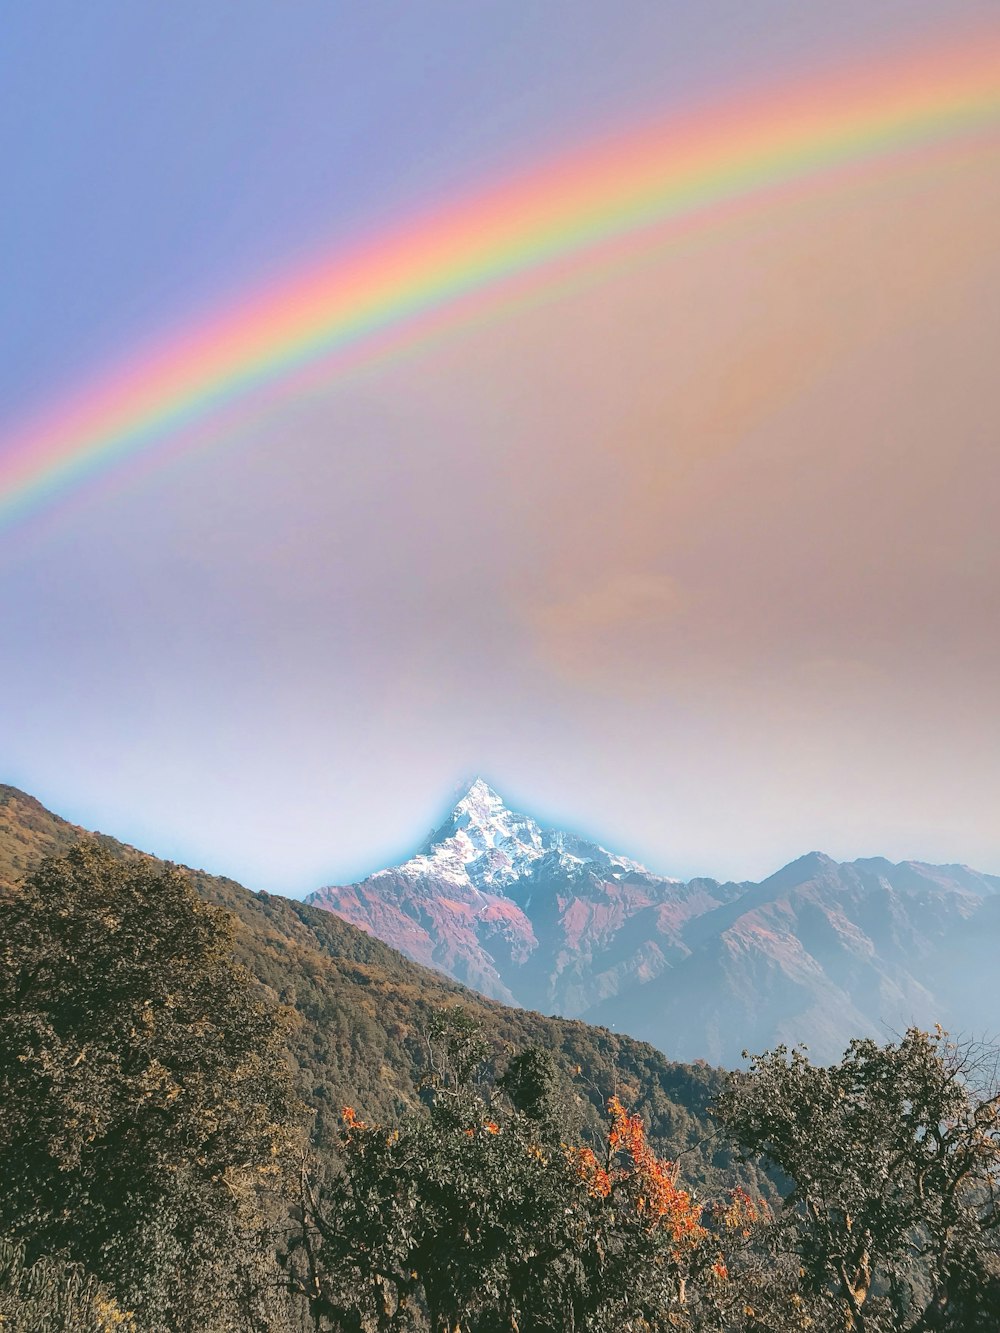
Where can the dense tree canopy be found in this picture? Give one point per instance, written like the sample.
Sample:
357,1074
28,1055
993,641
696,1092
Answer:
147,1105
477,1216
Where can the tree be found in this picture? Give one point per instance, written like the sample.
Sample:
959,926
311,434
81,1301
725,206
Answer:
532,1082
147,1103
476,1215
892,1157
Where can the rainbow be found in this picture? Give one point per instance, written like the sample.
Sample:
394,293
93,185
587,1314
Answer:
365,302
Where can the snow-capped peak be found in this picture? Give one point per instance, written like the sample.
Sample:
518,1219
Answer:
481,804
484,845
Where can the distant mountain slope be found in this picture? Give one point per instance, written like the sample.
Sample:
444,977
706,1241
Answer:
819,953
362,1008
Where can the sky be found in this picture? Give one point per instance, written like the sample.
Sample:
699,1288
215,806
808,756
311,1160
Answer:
693,550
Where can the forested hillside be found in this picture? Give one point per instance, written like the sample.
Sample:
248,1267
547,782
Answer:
363,1009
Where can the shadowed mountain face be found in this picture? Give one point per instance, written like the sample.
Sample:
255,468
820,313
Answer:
819,953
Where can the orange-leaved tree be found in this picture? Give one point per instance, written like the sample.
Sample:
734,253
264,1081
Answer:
644,1249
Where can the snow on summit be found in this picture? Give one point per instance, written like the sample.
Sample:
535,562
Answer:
484,845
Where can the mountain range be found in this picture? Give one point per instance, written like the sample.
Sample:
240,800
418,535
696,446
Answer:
818,953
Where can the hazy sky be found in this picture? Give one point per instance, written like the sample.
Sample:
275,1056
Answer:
700,556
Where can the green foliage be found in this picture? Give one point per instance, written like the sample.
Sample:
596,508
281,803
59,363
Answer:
50,1296
474,1216
892,1157
536,1087
147,1101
